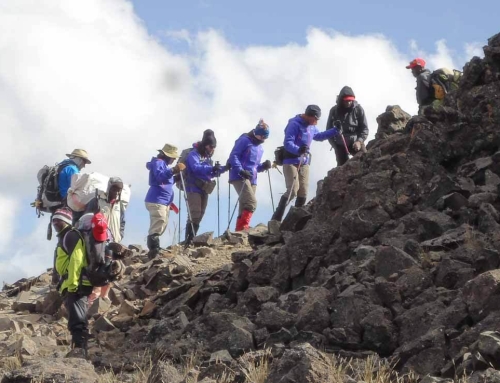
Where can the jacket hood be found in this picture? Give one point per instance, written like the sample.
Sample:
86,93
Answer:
148,164
345,91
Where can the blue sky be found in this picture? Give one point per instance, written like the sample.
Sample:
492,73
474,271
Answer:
122,78
277,22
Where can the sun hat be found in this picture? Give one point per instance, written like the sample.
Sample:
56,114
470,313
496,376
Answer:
170,151
81,153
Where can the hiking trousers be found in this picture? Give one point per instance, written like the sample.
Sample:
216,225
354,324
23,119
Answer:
77,306
158,218
296,180
246,193
197,206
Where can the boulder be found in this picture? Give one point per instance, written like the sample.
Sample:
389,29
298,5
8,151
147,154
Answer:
482,294
393,120
273,318
252,299
302,363
390,260
205,239
164,372
296,219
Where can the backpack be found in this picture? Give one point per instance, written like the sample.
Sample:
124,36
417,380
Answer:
100,269
279,155
48,195
444,80
182,160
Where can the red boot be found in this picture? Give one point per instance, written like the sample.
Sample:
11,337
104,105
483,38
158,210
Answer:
246,216
239,224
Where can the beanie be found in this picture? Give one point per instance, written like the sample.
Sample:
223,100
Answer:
64,215
262,129
209,138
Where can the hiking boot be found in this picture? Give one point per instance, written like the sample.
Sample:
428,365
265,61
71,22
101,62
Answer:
153,245
278,214
300,201
77,352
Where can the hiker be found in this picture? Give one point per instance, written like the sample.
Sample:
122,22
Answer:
425,95
299,133
74,164
199,184
110,205
348,116
245,164
74,286
160,194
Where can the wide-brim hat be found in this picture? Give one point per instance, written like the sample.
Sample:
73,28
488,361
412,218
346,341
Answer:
81,153
170,151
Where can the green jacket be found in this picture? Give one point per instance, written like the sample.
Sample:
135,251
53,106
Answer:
71,259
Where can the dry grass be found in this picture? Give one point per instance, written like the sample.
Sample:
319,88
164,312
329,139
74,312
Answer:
11,363
256,370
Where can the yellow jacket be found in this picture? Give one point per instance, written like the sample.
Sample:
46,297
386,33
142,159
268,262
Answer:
71,259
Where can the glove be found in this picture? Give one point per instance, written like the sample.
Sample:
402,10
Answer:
177,178
218,169
245,174
356,146
267,165
303,149
178,168
335,132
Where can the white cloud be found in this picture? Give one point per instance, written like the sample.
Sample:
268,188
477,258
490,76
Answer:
180,35
474,49
87,75
9,207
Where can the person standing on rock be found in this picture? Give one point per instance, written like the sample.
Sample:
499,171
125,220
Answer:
71,259
425,94
110,205
299,133
349,117
200,172
160,194
245,164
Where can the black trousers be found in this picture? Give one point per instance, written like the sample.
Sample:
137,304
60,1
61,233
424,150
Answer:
77,307
341,154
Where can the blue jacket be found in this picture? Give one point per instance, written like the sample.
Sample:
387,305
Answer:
64,179
161,181
298,133
246,154
197,168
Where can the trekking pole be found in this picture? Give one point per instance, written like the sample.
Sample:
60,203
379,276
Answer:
270,189
228,204
180,192
187,203
295,178
218,202
339,124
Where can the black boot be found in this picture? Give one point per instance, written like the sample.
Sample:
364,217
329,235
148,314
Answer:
189,235
278,214
300,201
153,245
196,227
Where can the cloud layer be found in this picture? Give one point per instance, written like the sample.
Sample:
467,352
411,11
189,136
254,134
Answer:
88,75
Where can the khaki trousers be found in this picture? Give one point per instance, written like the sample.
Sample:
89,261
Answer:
158,218
296,181
246,193
197,206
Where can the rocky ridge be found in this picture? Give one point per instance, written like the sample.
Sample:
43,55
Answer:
397,258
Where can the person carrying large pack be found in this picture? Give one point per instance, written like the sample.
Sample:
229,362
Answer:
349,117
433,87
54,181
199,174
109,204
245,162
300,131
74,286
160,194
